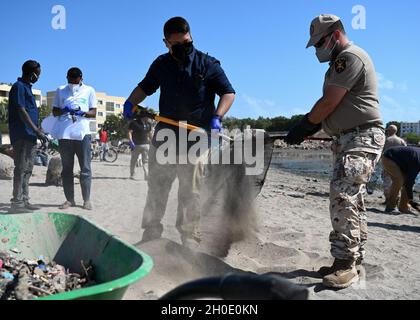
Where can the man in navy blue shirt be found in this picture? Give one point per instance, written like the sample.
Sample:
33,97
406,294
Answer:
402,164
189,81
24,132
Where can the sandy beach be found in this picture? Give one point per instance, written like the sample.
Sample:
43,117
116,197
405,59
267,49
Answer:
292,237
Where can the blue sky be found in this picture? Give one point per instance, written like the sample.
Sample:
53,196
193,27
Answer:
261,45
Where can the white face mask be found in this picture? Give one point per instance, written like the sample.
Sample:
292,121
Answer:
74,87
323,54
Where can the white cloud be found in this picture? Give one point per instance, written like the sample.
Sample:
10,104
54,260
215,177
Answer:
394,110
389,101
386,84
260,107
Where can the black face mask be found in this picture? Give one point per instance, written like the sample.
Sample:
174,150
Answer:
181,51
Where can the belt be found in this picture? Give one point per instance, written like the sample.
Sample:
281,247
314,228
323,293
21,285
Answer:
359,128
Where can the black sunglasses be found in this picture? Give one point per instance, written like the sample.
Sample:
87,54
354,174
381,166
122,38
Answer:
321,42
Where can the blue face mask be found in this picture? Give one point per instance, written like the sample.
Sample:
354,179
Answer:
323,54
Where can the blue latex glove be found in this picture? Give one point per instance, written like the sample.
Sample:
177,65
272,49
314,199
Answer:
216,123
66,110
79,113
128,110
132,145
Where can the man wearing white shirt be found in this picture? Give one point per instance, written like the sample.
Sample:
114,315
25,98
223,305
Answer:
74,105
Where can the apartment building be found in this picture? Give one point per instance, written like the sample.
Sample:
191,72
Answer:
5,89
410,127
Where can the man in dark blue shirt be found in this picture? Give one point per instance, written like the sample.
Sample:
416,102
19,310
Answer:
403,165
24,132
189,81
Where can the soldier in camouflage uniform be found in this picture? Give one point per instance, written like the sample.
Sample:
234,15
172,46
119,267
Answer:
349,113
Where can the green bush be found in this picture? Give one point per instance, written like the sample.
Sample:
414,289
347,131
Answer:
4,128
269,124
412,138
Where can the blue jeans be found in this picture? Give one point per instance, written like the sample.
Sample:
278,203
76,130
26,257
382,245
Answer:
25,151
68,149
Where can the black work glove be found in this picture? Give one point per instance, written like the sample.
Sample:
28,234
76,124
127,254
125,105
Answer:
303,129
41,136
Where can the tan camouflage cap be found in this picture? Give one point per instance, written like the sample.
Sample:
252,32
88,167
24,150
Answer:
319,26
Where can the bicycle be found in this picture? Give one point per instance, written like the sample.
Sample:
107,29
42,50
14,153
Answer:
111,154
124,146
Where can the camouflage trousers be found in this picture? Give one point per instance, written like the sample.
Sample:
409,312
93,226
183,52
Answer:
355,157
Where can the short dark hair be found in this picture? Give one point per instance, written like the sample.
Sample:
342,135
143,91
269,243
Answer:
74,73
30,66
175,25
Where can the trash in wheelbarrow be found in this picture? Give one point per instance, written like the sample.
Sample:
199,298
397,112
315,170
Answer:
25,279
91,262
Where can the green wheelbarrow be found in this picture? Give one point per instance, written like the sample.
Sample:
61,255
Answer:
68,240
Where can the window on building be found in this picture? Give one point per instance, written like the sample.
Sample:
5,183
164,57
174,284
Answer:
4,94
100,102
110,106
92,126
100,126
117,106
100,114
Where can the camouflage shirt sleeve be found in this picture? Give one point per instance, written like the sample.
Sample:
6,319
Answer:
345,71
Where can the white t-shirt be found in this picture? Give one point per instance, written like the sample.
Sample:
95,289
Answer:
66,126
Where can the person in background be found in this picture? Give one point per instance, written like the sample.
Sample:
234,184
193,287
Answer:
74,105
402,164
24,132
103,139
140,135
392,140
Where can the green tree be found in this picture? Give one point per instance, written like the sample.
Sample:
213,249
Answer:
4,128
412,138
116,126
3,111
44,111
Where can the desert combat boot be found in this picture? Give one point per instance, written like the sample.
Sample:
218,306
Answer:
325,271
344,275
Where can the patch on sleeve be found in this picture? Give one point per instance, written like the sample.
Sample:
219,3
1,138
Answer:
340,65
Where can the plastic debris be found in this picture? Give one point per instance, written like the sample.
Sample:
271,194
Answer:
15,250
31,263
27,279
7,275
